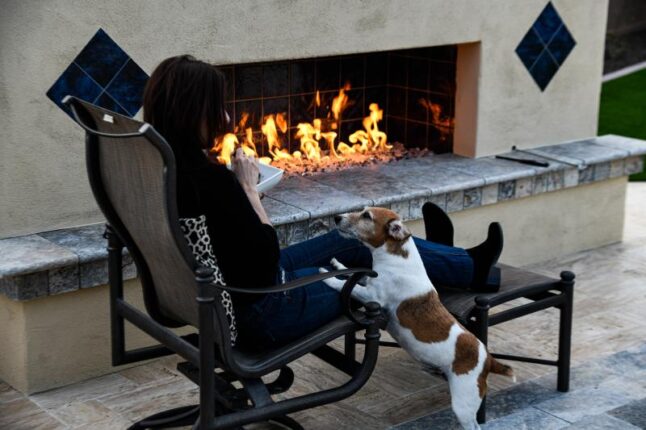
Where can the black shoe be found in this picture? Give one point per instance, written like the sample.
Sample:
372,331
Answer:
486,277
438,225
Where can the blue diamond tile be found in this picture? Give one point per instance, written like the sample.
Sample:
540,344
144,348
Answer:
545,46
101,58
530,48
127,87
105,101
547,23
561,45
76,82
102,73
544,70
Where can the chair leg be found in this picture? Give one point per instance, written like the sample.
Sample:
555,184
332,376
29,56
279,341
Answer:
481,330
350,348
205,301
565,332
115,279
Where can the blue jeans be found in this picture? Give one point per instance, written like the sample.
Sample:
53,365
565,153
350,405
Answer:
278,318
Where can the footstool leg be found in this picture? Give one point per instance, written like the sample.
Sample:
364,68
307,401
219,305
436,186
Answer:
565,332
481,329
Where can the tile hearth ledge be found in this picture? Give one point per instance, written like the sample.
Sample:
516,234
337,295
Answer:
61,261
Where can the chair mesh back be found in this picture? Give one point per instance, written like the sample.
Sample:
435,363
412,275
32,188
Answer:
133,175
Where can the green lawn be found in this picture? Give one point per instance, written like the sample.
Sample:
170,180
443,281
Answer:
623,109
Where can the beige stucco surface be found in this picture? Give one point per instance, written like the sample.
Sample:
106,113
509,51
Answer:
62,339
58,340
42,178
549,225
13,339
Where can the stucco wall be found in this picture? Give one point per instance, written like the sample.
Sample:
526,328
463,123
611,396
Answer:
546,226
42,178
59,340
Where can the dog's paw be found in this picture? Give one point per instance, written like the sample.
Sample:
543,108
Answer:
336,264
335,283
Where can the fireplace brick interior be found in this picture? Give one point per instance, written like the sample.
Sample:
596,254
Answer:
404,83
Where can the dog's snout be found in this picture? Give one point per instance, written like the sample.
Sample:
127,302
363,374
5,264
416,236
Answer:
337,219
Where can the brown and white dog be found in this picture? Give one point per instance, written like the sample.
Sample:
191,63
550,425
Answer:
417,320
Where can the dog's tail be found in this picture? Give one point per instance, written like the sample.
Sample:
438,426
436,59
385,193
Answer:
500,369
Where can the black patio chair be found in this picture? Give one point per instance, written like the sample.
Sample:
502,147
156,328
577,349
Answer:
132,175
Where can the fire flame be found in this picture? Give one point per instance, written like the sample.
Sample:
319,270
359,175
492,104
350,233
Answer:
226,145
443,123
318,144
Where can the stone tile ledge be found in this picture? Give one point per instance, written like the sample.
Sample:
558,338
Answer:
67,260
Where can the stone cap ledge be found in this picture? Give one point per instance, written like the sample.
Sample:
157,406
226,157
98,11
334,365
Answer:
56,262
66,260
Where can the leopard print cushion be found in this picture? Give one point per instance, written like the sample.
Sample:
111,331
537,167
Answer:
199,242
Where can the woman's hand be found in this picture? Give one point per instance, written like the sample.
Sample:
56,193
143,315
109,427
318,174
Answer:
245,168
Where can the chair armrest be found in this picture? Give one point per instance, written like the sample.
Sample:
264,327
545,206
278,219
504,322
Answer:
300,282
356,274
373,309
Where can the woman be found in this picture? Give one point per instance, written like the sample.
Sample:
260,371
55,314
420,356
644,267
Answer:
184,101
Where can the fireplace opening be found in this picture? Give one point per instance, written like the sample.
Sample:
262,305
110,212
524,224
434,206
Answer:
326,113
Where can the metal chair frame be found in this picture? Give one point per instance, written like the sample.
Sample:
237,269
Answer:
211,360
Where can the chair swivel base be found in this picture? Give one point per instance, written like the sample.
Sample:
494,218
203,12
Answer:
231,400
188,415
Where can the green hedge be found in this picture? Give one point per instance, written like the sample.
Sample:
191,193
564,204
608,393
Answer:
623,109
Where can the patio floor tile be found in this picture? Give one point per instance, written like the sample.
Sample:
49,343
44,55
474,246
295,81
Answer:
634,413
601,422
576,405
529,418
24,414
86,390
8,394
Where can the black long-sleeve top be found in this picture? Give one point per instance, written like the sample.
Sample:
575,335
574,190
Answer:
246,249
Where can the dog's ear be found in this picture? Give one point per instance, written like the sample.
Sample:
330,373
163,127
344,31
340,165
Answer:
397,230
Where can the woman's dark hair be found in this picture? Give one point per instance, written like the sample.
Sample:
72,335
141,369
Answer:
184,101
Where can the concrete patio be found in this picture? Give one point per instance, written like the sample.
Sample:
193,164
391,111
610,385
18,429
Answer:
608,388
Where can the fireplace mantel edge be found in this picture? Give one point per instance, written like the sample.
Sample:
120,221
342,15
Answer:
67,260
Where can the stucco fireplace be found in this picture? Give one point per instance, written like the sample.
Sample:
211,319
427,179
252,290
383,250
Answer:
500,73
453,84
